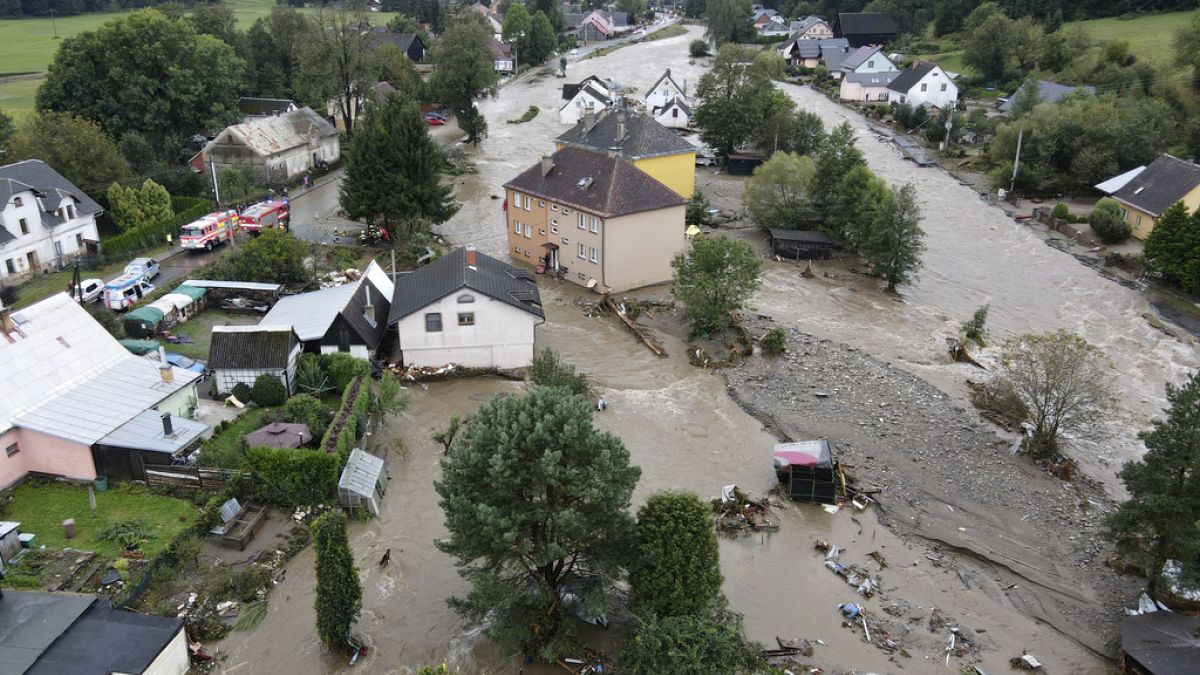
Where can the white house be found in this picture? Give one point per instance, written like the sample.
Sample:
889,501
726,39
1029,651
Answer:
348,318
468,309
590,95
675,114
867,60
812,28
502,57
664,90
44,219
774,27
867,87
807,52
273,149
924,84
240,354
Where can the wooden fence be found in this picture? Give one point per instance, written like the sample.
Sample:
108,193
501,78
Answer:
195,478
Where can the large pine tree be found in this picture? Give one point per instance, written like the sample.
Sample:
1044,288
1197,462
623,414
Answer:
393,170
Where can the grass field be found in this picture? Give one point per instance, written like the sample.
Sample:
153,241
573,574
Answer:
1149,36
28,45
41,509
199,329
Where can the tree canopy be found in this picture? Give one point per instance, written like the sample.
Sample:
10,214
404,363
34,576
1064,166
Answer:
464,62
716,276
836,158
274,256
536,503
737,96
75,147
1173,247
677,567
339,593
894,241
131,206
144,72
728,21
778,194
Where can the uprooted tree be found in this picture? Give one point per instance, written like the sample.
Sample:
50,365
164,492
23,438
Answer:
1161,519
536,502
1055,382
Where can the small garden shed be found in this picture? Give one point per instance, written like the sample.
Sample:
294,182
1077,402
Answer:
363,482
809,470
800,244
143,322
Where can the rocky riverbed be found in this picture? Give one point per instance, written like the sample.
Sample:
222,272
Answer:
946,480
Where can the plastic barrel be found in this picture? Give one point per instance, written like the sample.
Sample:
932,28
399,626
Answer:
101,483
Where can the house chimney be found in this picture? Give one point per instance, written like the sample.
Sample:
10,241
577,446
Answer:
589,119
547,165
164,367
614,151
168,430
471,256
6,322
620,125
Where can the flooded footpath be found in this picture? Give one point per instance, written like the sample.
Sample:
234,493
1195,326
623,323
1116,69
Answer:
1016,589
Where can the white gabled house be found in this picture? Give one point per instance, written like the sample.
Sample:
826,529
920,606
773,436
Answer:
867,87
774,27
44,219
924,84
867,60
468,309
811,28
675,114
664,90
590,95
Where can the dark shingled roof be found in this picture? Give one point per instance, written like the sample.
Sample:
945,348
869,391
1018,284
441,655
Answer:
1167,180
5,235
907,79
596,183
36,174
866,23
809,236
254,105
1165,643
426,285
107,640
354,313
643,137
258,348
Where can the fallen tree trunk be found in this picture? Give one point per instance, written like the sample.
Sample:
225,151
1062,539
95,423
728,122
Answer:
641,333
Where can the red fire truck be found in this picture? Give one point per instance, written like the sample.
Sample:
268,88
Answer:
265,216
209,231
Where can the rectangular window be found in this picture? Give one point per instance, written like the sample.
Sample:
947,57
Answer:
71,210
593,224
12,449
466,318
528,203
8,264
433,323
526,254
870,64
541,204
554,207
554,228
24,226
517,249
943,86
528,230
592,254
582,251
924,87
566,211
582,222
542,231
79,241
516,227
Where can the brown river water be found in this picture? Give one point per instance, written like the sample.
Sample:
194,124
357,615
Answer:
684,431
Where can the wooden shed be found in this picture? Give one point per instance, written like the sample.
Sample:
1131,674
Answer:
800,244
743,163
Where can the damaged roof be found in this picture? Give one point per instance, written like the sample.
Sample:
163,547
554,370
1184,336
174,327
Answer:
596,183
641,137
267,136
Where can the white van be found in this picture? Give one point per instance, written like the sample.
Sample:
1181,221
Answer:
125,291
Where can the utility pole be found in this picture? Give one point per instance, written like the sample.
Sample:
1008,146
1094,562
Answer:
212,168
1012,186
53,24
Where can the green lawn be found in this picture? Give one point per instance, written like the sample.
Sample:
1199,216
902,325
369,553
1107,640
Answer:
1149,36
16,94
199,328
41,509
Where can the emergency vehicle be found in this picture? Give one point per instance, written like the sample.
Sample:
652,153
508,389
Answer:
209,231
265,216
125,291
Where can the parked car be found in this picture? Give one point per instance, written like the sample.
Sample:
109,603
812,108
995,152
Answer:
89,289
706,160
436,113
125,291
434,121
147,268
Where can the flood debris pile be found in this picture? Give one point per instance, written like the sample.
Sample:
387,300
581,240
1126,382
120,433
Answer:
738,511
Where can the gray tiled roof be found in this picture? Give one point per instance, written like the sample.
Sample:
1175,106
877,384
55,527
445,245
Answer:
107,640
909,78
858,57
1167,180
37,174
833,56
310,314
5,235
866,23
262,347
873,79
448,274
1048,92
596,183
643,137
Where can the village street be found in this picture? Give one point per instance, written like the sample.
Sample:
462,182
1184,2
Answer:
685,431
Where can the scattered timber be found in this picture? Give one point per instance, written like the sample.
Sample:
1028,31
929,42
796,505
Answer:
641,332
959,354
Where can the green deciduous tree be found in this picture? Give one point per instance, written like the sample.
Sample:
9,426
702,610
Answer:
536,504
986,41
75,147
473,124
549,370
677,569
736,96
307,409
7,129
1107,223
337,60
275,49
1173,247
895,240
274,256
339,593
835,159
215,19
728,21
716,276
852,212
464,62
697,210
688,644
393,170
147,73
1187,48
1161,519
543,40
268,391
1061,379
517,30
778,194
129,206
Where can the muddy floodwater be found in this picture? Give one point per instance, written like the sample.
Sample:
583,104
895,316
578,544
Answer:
684,431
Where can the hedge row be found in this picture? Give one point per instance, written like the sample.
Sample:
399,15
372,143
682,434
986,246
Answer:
350,421
293,477
149,235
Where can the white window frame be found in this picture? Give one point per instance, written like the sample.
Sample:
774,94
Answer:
516,227
528,230
593,254
466,319
528,203
582,221
593,224
582,251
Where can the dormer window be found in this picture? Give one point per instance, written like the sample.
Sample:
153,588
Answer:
17,201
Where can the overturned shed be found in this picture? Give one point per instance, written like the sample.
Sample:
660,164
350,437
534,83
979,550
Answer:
800,244
363,482
809,470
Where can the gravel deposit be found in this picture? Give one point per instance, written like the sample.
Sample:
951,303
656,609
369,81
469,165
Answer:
947,480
